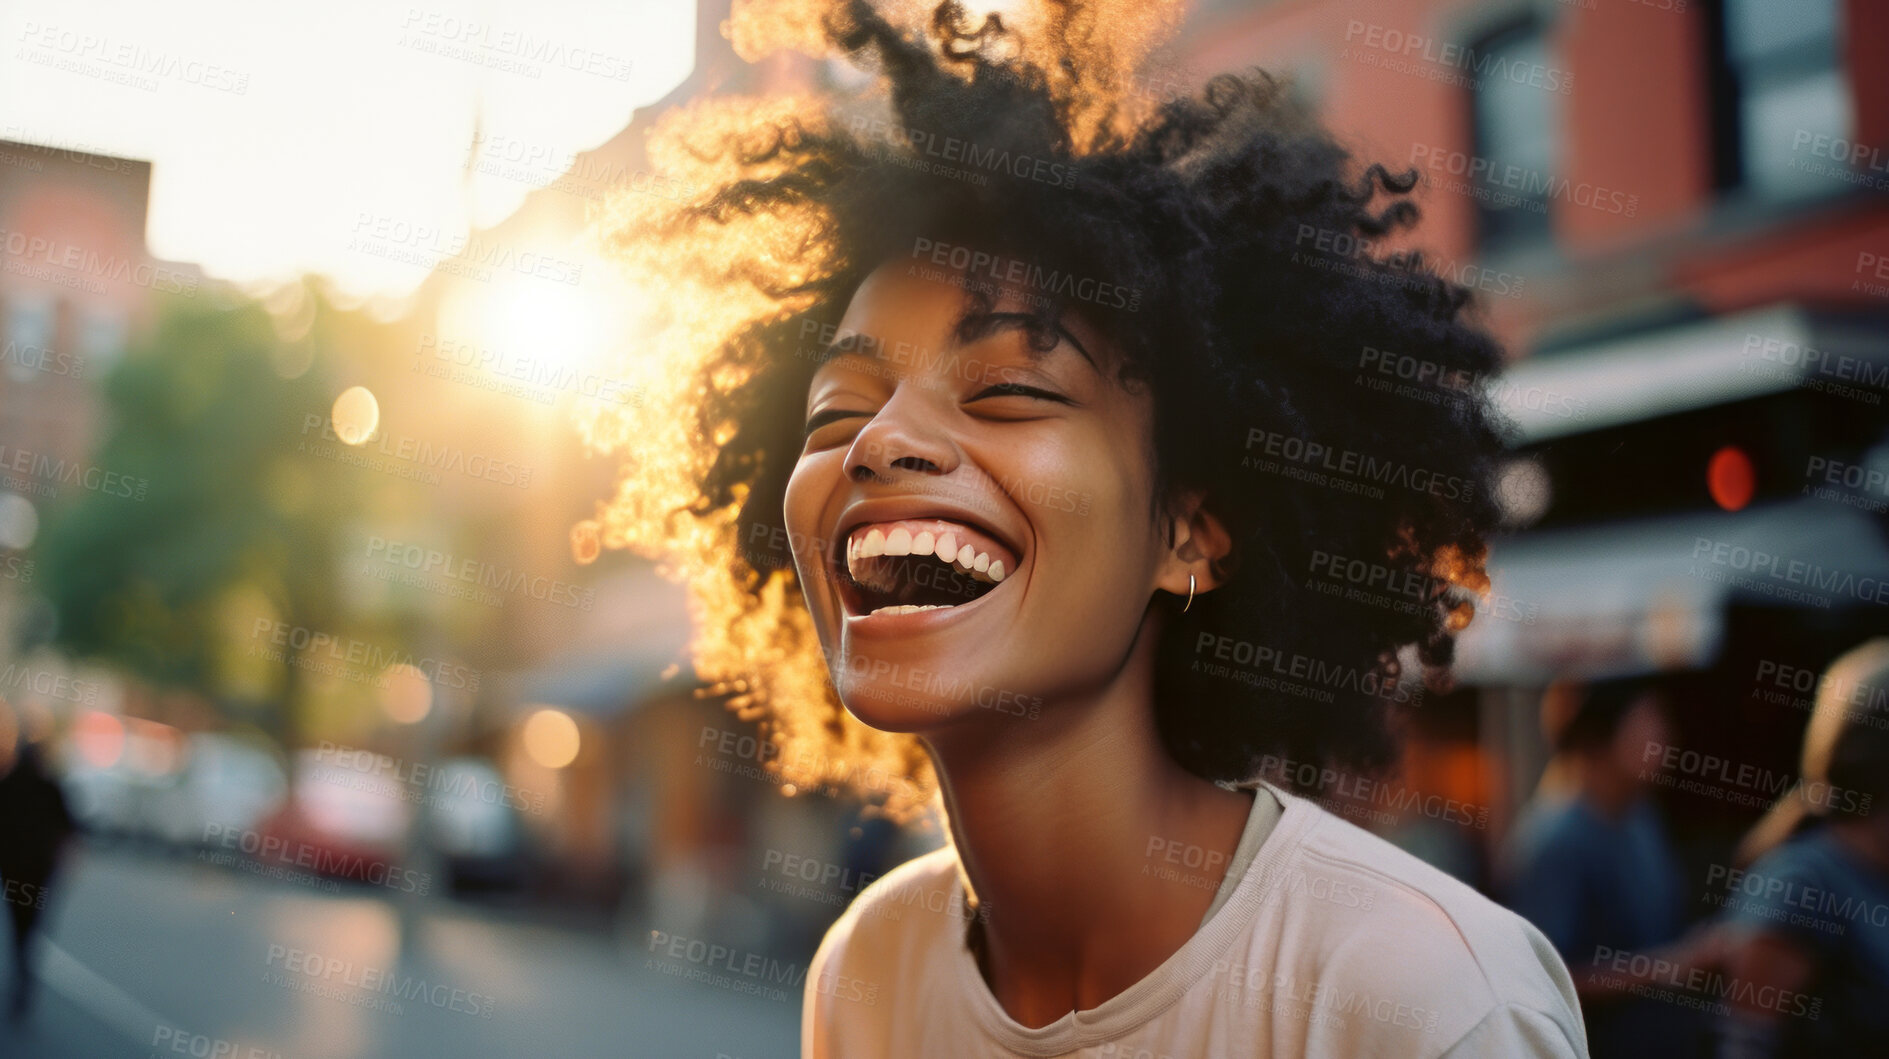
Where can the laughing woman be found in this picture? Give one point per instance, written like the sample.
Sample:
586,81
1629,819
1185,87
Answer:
1019,454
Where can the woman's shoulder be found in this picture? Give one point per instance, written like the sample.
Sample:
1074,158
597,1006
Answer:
889,946
1409,927
902,913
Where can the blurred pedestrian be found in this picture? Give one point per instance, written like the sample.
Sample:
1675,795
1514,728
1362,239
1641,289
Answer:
1807,925
1590,862
34,826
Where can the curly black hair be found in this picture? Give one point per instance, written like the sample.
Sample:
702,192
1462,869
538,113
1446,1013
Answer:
1235,240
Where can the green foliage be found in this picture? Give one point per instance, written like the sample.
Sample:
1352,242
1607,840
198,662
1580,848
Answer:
199,410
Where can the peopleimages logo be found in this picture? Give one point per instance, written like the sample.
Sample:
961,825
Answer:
419,557
24,894
1450,55
37,468
172,1040
1406,266
413,458
375,982
1322,1002
1294,673
1733,778
430,247
419,782
966,152
1698,987
509,49
1528,186
1815,369
1799,686
1781,576
1361,467
936,687
1863,156
76,260
695,960
1848,484
28,357
1386,365
14,568
835,884
538,379
1794,901
1328,783
130,59
744,756
312,646
984,266
279,850
18,677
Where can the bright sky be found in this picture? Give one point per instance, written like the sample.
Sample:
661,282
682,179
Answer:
277,131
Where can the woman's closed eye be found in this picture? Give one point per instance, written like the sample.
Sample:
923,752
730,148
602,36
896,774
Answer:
833,415
1002,389
1014,389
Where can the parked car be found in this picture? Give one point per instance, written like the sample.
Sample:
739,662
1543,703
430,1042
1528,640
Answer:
472,821
116,769
339,823
226,785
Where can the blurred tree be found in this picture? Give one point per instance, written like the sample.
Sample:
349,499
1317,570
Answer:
236,527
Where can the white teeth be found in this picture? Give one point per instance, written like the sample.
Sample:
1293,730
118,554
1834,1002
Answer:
899,541
945,545
909,609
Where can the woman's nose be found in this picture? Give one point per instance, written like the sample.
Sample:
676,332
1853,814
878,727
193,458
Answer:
907,434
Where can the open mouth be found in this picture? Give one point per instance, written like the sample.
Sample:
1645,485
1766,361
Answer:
904,566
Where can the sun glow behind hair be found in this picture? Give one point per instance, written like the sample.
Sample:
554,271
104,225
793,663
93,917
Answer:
272,129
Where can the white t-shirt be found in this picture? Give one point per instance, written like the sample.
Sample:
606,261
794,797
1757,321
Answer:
1333,943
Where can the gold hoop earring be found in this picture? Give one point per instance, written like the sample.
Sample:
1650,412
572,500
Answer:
1190,593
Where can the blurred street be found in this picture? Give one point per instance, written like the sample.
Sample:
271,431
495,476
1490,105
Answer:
352,671
156,954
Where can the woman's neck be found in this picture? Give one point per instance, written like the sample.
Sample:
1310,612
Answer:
1092,853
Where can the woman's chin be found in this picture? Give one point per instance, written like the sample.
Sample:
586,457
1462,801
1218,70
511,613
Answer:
892,707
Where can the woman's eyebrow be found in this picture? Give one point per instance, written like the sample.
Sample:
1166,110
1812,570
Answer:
974,326
980,325
851,343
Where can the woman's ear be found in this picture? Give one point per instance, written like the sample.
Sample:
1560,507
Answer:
1198,543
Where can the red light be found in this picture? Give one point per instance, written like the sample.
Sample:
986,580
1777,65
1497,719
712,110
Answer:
1731,478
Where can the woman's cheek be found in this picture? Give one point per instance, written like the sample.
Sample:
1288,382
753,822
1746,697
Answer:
800,516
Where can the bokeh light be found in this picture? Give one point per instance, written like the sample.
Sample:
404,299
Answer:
356,414
407,693
551,738
1731,478
1524,491
19,521
99,738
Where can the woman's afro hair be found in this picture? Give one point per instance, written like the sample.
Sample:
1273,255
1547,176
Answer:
1228,228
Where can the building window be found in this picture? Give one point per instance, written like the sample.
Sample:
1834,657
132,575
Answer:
1782,98
1517,130
28,337
102,330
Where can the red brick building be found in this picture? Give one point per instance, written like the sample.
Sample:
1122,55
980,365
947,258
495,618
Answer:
1677,216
